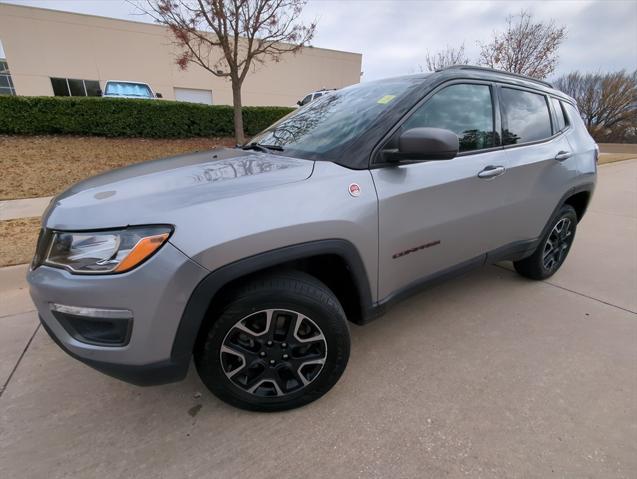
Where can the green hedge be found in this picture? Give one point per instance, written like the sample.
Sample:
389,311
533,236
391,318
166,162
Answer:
127,117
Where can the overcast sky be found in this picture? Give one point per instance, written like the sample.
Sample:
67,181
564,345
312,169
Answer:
394,36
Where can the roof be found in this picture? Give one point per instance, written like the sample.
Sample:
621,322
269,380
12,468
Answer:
499,72
484,73
471,72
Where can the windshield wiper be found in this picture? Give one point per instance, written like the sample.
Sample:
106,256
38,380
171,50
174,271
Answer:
261,147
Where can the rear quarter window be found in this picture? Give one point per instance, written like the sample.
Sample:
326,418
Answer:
559,115
573,116
526,116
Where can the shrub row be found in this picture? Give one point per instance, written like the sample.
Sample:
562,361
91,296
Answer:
127,117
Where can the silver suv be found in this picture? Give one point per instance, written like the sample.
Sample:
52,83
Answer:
252,260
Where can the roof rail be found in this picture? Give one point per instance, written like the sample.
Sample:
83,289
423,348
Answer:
502,72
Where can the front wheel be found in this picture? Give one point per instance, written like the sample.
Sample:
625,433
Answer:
553,248
280,342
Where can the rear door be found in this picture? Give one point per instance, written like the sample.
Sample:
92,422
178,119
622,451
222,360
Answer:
540,165
438,215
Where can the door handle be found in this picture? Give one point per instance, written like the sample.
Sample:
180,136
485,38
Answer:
491,172
563,155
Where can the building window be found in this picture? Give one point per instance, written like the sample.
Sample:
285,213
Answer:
7,87
74,87
6,83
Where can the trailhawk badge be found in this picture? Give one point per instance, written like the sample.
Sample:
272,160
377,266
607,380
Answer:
354,189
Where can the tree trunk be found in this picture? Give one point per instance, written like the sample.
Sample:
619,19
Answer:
238,118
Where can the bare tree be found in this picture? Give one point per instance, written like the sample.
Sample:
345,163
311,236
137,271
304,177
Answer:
228,37
607,102
445,58
525,47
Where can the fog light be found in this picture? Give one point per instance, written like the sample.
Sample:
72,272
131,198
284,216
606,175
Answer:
98,326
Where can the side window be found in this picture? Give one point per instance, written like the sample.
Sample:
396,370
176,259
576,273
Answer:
465,109
317,95
559,114
526,117
306,100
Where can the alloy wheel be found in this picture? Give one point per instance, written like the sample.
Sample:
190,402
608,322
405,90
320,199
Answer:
273,352
557,244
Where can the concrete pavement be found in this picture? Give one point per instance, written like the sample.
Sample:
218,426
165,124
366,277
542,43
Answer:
488,375
24,208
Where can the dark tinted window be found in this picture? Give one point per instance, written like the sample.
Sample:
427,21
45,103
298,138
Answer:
76,87
72,87
526,116
92,87
464,109
559,114
60,88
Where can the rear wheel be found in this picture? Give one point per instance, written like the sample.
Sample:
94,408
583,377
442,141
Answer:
553,248
280,342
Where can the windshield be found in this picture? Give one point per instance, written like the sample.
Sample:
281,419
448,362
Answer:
128,89
333,120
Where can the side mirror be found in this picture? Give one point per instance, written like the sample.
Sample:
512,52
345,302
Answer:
159,95
426,144
300,103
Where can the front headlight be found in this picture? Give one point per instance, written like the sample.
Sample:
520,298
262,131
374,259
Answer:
100,252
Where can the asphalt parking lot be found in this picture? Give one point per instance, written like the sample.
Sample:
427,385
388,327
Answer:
488,375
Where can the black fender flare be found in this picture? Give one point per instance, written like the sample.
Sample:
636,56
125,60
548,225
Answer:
205,291
585,187
523,249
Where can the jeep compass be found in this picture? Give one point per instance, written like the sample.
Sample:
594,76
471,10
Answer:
252,260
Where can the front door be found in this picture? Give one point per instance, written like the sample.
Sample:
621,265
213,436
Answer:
438,215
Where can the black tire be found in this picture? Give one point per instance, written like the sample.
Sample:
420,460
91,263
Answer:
294,304
553,248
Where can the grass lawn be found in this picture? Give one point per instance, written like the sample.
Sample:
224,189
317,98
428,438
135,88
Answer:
34,166
611,152
17,240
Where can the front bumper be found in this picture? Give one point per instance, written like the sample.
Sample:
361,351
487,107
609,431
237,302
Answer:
141,375
156,293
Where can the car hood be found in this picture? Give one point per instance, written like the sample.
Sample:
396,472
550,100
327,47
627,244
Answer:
147,192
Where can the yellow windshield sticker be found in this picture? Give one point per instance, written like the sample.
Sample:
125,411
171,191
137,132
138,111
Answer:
386,99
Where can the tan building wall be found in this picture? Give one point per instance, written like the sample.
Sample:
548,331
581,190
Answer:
40,44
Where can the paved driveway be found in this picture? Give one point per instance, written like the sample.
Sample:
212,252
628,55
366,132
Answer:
489,375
